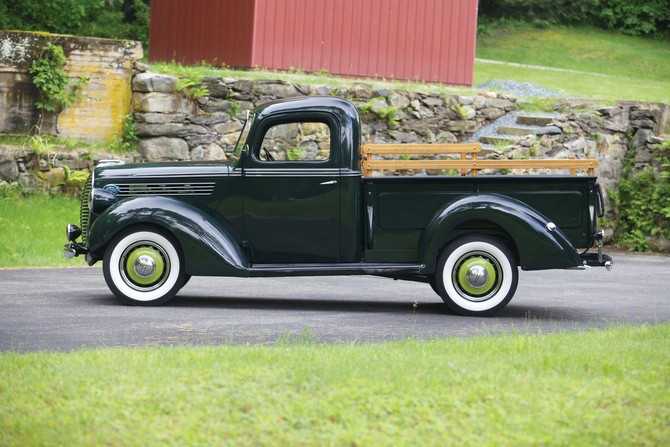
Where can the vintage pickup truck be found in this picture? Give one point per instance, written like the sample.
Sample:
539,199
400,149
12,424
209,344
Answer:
298,198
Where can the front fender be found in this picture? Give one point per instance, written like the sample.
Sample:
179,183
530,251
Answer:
209,249
538,249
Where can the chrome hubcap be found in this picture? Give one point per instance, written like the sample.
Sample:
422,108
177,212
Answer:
477,276
144,266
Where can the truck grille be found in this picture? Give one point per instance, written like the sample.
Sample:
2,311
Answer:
84,212
166,189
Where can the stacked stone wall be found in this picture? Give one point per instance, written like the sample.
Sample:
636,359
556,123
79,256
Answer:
172,127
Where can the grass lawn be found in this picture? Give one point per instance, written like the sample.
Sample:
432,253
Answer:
640,66
608,387
32,230
590,50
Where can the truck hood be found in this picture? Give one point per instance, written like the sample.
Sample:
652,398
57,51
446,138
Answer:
158,171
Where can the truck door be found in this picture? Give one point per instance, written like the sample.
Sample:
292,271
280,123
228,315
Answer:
291,192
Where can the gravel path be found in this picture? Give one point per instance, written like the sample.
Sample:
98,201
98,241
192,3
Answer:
522,89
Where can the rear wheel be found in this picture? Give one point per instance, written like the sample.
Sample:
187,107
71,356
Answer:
476,275
143,266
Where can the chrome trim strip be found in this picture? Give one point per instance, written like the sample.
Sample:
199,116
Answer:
297,172
182,174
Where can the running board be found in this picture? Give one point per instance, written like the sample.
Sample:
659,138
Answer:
385,269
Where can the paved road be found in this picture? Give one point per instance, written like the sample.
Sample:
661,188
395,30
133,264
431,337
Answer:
65,309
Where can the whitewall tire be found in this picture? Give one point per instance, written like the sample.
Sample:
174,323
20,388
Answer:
143,265
476,275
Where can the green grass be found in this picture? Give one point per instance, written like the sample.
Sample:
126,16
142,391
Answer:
589,50
640,66
608,387
32,230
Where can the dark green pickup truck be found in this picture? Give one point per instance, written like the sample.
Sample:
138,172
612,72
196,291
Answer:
293,201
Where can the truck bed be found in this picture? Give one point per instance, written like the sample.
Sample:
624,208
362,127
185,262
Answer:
398,209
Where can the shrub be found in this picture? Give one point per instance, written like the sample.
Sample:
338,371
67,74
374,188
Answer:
634,17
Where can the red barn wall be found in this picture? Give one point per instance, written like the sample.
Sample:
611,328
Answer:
190,31
428,40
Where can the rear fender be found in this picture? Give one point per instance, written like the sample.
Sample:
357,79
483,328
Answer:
209,249
538,248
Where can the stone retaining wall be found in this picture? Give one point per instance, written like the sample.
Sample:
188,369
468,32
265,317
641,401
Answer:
172,127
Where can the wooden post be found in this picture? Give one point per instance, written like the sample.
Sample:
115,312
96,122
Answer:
591,171
573,171
474,163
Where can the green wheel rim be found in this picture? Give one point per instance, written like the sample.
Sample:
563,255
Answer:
153,254
463,272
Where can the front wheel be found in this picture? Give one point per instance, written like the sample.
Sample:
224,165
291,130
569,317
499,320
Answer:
476,275
144,266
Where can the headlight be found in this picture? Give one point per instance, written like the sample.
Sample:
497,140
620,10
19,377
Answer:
73,232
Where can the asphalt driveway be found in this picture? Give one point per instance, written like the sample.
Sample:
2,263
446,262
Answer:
65,309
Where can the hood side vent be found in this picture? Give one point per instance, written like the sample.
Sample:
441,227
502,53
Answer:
166,189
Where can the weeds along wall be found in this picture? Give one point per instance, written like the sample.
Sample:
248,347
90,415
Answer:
200,118
98,115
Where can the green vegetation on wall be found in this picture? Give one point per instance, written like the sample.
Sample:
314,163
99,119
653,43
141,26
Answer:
57,89
114,19
644,202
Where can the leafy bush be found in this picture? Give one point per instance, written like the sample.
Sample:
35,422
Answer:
128,140
56,88
634,17
644,203
114,19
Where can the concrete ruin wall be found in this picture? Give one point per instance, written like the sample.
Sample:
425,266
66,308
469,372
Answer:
106,63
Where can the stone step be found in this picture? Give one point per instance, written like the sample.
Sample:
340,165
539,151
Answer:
496,140
529,120
487,150
515,130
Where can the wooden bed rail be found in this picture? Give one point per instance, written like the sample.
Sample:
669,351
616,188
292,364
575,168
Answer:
464,164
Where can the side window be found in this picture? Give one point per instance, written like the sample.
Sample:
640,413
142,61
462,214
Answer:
296,142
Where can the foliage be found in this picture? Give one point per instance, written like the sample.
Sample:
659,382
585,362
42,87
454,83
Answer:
643,200
388,114
633,17
601,387
365,108
128,140
191,86
40,144
56,88
295,154
114,19
461,111
234,108
384,113
74,182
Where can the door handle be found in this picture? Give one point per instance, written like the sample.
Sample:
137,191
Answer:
330,182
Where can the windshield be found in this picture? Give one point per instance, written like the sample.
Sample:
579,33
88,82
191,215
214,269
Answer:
243,136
